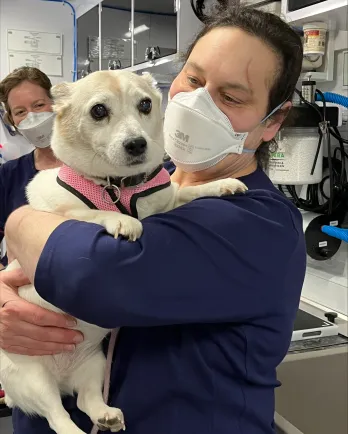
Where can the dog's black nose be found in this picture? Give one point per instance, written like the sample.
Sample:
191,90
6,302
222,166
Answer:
135,147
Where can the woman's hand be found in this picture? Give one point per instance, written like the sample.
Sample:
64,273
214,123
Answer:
29,329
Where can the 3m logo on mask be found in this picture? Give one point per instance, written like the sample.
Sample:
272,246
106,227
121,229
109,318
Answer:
182,136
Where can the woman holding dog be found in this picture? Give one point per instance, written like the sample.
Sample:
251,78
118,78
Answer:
25,92
208,296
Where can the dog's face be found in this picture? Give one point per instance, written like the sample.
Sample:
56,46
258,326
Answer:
108,124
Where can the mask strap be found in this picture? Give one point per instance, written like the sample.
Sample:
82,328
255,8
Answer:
252,151
272,112
249,151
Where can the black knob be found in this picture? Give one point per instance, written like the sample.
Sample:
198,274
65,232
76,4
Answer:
331,316
135,147
324,252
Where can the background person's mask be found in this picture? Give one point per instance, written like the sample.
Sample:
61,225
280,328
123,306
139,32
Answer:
37,128
198,134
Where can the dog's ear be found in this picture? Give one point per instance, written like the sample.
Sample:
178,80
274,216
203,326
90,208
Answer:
149,79
153,83
61,94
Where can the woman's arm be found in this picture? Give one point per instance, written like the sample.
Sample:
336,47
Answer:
24,327
213,260
27,232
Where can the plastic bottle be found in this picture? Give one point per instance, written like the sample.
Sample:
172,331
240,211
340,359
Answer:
314,38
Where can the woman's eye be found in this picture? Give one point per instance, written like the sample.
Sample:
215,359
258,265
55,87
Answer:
229,99
193,80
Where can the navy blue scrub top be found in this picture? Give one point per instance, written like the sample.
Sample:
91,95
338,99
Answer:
14,177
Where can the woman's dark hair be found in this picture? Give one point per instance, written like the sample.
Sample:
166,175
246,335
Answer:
275,33
15,78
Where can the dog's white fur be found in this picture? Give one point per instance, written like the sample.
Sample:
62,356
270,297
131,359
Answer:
95,150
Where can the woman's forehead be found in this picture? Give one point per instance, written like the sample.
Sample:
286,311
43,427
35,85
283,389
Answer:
26,92
230,54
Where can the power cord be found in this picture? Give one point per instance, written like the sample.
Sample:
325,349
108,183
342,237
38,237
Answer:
198,9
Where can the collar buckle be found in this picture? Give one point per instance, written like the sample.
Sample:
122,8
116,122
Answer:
109,186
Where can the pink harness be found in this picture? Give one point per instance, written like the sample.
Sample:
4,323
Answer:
116,195
120,195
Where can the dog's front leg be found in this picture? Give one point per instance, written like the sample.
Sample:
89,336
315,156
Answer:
87,380
115,223
217,188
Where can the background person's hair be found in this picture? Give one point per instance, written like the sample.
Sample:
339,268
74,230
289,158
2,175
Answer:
280,37
15,78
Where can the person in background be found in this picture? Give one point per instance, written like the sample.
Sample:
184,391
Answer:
206,299
25,93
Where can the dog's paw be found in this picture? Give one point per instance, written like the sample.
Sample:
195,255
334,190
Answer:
115,223
112,421
128,227
231,186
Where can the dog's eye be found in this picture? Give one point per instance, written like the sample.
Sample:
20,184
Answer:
145,106
99,112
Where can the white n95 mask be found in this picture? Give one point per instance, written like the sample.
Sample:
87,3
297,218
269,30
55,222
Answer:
37,128
197,134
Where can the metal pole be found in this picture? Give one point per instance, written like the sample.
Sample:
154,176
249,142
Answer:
132,32
100,10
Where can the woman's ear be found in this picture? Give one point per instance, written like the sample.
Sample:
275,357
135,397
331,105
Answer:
275,122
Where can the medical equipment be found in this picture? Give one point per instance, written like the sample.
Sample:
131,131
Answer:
320,245
308,326
114,64
294,5
324,189
308,90
152,53
309,166
339,233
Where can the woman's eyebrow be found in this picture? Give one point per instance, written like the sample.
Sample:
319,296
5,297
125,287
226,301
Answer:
235,86
238,86
195,66
17,107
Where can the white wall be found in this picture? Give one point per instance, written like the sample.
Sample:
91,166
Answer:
33,15
115,23
6,425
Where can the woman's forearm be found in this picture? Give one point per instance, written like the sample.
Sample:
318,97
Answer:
27,232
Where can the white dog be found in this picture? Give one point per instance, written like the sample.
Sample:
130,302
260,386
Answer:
109,123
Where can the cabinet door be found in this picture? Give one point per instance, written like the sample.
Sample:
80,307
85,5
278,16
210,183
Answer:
106,27
116,52
155,29
87,31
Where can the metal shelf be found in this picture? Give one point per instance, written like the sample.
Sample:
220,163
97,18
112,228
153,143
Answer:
334,11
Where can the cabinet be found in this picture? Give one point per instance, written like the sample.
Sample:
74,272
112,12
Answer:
150,35
118,34
335,14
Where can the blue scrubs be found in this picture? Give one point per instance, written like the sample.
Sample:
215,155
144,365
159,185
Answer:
206,300
14,177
